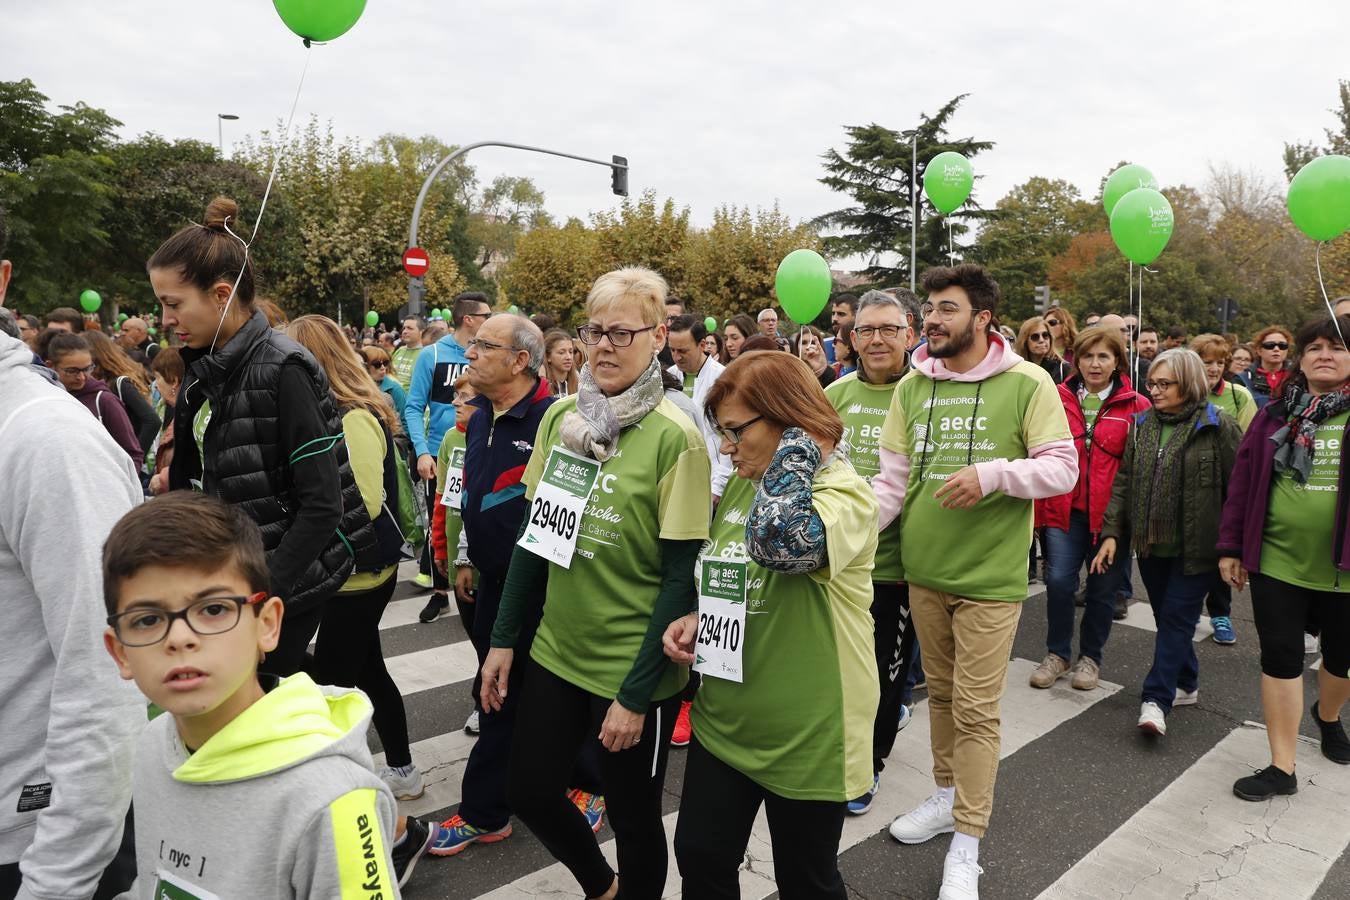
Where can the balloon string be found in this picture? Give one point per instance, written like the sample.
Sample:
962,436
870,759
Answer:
1317,259
951,247
267,193
1139,320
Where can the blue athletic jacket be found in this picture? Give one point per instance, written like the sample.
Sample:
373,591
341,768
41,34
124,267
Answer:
496,451
433,384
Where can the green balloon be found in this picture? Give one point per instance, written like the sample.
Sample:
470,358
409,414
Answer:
513,309
947,181
152,330
436,313
1122,181
372,318
90,301
710,323
122,317
1319,197
1141,225
319,20
803,285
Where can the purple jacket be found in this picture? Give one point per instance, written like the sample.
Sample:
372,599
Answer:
103,403
1243,524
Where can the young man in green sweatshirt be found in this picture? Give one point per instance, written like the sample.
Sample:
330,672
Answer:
244,787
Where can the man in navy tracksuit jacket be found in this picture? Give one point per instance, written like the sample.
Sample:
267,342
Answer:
498,444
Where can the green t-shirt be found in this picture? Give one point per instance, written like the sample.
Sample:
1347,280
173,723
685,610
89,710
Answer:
800,724
1092,404
596,614
454,522
689,379
1298,544
401,363
978,553
863,408
1237,401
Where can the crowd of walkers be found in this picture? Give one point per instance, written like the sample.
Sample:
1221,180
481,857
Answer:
656,536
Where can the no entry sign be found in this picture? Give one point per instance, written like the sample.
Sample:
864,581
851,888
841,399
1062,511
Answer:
416,262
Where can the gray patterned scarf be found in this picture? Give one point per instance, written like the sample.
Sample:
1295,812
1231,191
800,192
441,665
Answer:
592,429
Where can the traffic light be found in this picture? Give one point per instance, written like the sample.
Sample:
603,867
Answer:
619,176
1042,301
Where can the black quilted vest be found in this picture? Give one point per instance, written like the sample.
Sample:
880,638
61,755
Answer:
247,466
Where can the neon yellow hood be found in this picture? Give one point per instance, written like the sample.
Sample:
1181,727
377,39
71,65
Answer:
295,721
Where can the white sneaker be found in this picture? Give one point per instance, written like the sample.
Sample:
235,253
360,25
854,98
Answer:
1186,698
471,723
1310,644
931,818
1151,718
405,787
960,877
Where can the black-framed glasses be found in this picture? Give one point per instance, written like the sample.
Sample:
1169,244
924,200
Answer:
945,310
619,337
377,365
1053,323
1265,345
72,372
1160,384
867,332
480,344
481,314
732,435
148,625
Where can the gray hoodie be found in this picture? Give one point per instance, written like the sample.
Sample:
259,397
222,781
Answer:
67,721
280,803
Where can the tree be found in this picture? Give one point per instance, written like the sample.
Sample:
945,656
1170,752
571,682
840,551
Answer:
1029,227
1300,153
729,268
874,170
553,269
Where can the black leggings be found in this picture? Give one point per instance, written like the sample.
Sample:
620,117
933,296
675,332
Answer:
297,630
1284,612
348,654
717,813
893,642
554,721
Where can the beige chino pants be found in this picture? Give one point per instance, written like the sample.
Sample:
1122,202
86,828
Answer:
965,646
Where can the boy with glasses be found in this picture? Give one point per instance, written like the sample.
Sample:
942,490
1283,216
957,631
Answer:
246,786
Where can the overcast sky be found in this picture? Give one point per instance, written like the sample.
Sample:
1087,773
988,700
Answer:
721,102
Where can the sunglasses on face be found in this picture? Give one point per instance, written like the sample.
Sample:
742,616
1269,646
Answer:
1042,336
377,365
1274,345
1053,323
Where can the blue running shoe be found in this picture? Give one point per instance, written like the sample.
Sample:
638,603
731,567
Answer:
1223,630
592,806
864,803
455,834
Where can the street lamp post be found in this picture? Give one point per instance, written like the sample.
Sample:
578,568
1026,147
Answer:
913,135
220,129
617,165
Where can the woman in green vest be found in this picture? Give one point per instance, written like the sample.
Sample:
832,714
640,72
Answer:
783,636
618,483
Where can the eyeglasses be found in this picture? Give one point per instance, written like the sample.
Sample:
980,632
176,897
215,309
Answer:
72,372
944,310
618,337
867,332
732,435
1274,345
210,615
1040,336
1053,323
484,314
480,344
1160,384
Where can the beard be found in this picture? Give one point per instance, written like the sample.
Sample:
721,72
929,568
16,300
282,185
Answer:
957,342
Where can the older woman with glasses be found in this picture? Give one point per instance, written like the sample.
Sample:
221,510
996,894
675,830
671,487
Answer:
1165,506
782,636
377,364
619,486
1285,524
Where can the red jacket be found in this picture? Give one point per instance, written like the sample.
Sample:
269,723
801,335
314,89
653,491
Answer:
1097,461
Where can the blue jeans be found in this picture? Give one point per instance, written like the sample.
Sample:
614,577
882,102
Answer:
1177,599
1065,553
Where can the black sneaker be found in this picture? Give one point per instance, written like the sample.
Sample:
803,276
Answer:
1335,745
416,840
1122,609
438,604
1267,783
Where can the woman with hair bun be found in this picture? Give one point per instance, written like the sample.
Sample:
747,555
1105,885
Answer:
257,425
